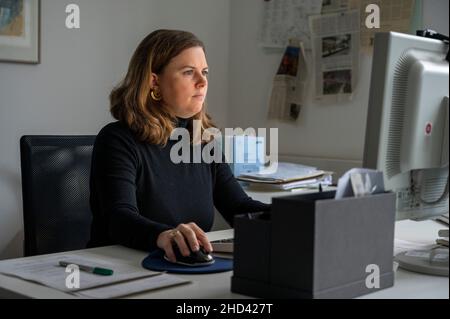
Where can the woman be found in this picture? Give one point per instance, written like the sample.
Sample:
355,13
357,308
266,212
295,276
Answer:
140,198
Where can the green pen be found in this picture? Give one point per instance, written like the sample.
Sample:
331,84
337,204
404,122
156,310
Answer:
93,270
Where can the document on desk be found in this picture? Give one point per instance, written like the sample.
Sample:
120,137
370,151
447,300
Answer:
401,245
45,270
134,286
286,172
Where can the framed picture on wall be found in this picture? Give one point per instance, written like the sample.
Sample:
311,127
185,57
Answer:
19,31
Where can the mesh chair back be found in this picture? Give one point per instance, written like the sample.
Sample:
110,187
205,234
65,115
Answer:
55,192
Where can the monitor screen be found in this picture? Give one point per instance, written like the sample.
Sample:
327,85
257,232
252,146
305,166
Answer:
407,122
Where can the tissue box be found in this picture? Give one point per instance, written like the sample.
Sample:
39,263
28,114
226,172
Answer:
316,247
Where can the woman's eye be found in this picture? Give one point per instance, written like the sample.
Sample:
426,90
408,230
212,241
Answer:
205,73
188,72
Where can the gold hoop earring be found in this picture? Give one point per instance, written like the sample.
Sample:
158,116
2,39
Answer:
155,95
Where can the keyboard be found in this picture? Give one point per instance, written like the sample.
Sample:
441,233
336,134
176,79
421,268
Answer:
223,245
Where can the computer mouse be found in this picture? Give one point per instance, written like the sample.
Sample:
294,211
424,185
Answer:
195,259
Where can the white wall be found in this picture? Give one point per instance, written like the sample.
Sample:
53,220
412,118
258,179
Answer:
435,15
330,136
68,92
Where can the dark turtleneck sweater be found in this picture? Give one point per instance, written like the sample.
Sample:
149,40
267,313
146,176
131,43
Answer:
137,191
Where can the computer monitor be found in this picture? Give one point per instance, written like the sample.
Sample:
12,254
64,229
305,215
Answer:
407,122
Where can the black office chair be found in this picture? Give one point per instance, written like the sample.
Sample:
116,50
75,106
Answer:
55,192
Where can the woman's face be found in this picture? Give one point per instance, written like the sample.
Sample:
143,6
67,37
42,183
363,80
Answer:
183,83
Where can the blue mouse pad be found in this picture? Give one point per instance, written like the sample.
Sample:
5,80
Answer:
155,261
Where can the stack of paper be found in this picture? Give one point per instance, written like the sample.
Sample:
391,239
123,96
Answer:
288,176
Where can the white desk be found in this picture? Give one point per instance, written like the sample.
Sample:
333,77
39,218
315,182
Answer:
407,284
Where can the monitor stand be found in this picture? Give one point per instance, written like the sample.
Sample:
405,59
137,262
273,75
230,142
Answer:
433,261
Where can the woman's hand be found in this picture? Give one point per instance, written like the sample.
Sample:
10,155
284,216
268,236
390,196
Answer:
185,236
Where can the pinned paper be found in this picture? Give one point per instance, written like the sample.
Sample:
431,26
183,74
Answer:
288,87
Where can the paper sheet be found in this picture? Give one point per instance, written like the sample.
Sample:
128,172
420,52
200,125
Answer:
46,271
335,39
285,172
401,245
285,19
394,16
135,286
313,183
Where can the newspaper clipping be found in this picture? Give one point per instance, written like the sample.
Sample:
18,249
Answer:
335,39
289,84
394,16
285,19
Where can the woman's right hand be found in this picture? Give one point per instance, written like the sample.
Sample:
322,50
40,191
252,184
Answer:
187,237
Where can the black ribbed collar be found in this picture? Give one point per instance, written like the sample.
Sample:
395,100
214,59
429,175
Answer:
181,122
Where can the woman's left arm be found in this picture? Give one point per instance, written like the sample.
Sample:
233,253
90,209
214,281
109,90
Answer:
229,197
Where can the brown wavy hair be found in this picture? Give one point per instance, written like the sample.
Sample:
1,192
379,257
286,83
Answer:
131,102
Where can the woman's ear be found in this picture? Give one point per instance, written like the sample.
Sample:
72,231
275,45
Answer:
154,80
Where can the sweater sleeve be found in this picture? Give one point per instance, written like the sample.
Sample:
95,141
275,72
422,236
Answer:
115,164
229,197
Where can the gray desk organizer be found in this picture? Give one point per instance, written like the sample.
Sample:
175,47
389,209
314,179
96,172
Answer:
314,246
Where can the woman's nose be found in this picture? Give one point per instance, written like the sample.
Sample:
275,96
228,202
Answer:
201,80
